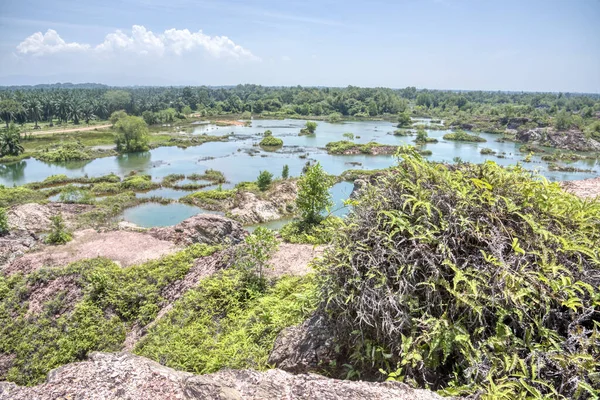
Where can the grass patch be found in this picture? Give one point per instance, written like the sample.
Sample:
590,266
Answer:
226,323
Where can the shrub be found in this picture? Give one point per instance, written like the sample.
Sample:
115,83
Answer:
463,136
404,120
116,116
470,279
486,151
75,195
258,249
423,138
264,180
19,195
139,183
65,152
3,222
271,141
309,128
10,142
321,233
348,135
132,134
313,194
268,133
285,172
58,231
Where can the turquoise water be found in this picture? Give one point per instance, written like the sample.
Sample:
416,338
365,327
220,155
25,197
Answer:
150,215
241,158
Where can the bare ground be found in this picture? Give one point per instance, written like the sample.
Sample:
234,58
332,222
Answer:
125,248
82,129
586,188
293,259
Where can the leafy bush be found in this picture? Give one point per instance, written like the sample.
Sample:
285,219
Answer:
404,120
58,231
463,136
211,175
348,147
285,172
19,195
210,199
470,279
423,138
65,152
264,180
309,128
321,233
486,151
226,323
139,183
271,141
3,222
172,178
313,194
75,195
132,134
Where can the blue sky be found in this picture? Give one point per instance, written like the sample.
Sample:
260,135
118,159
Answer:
526,45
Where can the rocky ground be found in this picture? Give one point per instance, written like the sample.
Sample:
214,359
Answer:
587,188
572,139
126,376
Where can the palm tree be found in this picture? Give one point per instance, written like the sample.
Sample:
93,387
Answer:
34,111
10,142
75,110
62,109
9,110
87,113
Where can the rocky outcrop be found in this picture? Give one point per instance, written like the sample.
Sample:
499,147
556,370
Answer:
15,244
572,139
304,348
249,208
202,228
586,188
126,376
36,217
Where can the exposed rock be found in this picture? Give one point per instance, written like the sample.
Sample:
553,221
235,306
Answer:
126,376
202,228
124,248
248,208
36,217
15,244
304,348
572,139
587,188
43,291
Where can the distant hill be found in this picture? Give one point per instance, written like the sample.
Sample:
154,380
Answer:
58,85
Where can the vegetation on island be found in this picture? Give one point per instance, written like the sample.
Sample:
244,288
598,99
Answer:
462,136
348,147
271,141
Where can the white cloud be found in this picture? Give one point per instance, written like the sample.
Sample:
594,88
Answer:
50,42
141,42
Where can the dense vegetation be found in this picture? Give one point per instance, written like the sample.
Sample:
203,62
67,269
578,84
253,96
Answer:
472,279
162,104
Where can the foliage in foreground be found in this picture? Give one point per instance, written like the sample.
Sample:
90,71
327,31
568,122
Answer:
321,233
66,329
227,322
470,280
3,222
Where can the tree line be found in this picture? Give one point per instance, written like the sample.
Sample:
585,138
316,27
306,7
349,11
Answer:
165,104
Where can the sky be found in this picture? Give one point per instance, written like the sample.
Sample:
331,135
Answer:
520,45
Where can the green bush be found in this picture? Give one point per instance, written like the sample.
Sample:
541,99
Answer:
486,151
285,172
75,195
139,183
423,138
226,323
471,279
65,152
3,222
58,231
271,141
321,233
19,195
264,180
211,175
463,136
132,134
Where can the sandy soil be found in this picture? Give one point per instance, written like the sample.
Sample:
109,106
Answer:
82,129
231,122
293,259
125,248
587,188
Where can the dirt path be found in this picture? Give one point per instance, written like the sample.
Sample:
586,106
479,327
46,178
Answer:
82,129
